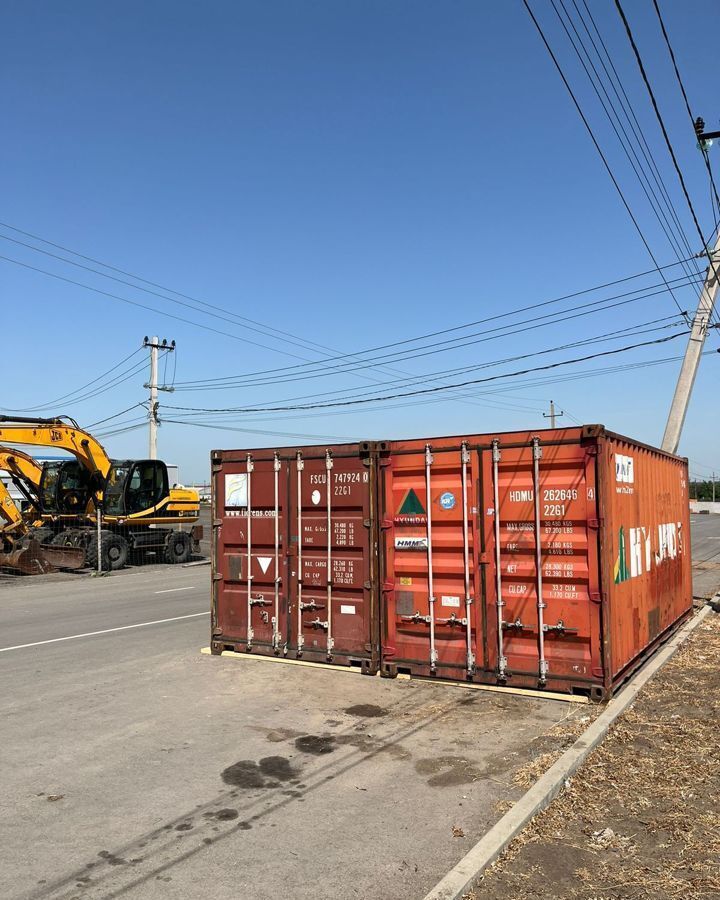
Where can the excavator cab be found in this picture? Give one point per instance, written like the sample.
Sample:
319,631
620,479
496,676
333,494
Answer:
131,487
66,488
135,486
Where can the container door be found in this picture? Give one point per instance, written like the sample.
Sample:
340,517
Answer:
432,613
540,518
250,521
334,614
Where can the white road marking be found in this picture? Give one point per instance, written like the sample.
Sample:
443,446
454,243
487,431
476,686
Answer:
190,587
72,637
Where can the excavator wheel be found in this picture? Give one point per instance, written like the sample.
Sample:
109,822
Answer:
114,551
43,535
178,547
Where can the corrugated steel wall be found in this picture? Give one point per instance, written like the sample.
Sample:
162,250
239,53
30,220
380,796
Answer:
538,559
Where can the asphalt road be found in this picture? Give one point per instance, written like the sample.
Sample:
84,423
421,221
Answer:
705,538
134,766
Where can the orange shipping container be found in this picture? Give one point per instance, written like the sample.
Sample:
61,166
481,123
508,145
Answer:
556,558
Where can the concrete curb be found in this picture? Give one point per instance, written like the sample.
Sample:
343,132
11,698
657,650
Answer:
460,879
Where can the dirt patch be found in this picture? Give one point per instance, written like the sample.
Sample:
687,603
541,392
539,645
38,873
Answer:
639,820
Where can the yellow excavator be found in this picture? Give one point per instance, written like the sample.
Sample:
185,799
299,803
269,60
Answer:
137,507
21,546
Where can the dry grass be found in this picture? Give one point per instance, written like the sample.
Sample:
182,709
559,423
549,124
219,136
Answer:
639,820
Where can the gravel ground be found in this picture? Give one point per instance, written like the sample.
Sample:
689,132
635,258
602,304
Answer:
640,818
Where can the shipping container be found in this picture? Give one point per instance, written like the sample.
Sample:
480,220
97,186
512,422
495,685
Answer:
550,559
281,586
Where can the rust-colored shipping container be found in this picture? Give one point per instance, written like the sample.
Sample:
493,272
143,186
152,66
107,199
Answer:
556,558
272,512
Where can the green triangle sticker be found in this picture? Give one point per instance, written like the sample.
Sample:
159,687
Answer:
411,505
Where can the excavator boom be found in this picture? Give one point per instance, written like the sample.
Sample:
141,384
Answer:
56,433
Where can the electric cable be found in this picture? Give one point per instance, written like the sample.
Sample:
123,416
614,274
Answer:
661,122
596,144
626,141
354,402
283,373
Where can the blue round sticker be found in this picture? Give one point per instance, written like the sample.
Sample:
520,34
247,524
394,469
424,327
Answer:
447,500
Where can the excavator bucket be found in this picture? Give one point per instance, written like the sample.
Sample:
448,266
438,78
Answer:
34,558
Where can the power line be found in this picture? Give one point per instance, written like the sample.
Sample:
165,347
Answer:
323,350
436,376
511,390
147,291
152,309
269,328
597,145
286,434
685,98
115,416
661,122
286,373
354,402
77,390
626,141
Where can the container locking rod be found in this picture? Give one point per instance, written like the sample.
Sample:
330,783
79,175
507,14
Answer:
499,603
543,664
300,637
277,637
431,591
470,656
328,485
250,632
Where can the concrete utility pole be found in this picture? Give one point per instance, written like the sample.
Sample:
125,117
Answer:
552,415
154,345
686,379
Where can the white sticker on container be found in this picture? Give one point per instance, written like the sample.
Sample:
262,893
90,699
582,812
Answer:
450,601
411,543
236,489
347,610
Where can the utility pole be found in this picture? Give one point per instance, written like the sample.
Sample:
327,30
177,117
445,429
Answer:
713,487
552,415
154,345
688,372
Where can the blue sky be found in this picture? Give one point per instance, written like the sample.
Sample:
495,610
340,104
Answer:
351,173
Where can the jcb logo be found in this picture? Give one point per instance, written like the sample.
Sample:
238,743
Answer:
624,469
55,435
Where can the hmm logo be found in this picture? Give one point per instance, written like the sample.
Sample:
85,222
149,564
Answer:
624,469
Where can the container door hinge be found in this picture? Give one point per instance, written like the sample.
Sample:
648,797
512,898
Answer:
386,523
594,523
483,559
387,587
217,576
596,596
217,523
598,672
